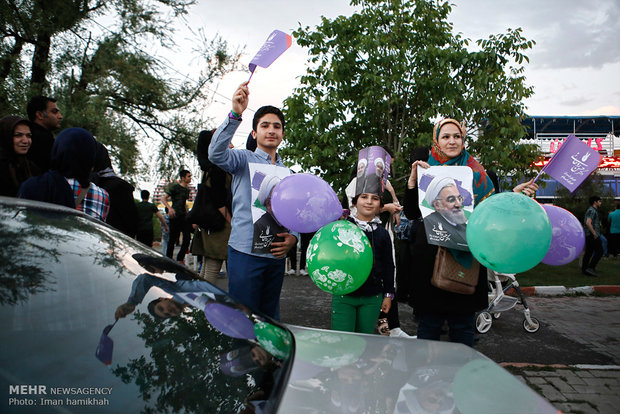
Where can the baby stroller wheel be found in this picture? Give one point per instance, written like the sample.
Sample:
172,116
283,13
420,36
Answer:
483,322
533,327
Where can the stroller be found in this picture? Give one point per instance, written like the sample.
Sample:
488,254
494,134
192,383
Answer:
499,302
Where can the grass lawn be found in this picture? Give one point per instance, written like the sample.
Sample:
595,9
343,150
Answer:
570,275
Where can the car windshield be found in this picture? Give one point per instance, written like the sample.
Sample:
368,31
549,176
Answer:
179,344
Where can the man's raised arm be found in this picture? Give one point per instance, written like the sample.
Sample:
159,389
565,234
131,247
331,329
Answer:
219,153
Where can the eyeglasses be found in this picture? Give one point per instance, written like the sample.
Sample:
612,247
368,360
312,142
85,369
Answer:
452,199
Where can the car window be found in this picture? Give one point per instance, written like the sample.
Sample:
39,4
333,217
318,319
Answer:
64,278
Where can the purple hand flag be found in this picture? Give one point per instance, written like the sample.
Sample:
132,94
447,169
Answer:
106,346
573,163
274,46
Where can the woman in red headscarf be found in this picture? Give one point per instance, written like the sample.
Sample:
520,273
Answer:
433,306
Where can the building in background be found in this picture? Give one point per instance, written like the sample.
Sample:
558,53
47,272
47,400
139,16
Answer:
600,132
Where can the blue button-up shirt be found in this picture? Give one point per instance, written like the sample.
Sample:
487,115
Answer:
144,282
236,163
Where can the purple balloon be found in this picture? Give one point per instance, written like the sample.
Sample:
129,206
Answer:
229,321
567,236
304,203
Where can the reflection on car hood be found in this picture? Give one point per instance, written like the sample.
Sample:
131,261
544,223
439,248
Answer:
338,372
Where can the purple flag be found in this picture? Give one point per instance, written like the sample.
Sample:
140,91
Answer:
274,46
106,345
573,163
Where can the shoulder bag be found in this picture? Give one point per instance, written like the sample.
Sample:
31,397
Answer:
451,276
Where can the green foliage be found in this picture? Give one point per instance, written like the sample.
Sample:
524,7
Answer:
380,76
182,371
104,80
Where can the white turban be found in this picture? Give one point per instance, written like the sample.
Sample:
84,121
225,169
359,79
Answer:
266,186
435,187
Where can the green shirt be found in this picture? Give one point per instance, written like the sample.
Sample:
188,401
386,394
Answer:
614,221
145,215
178,195
591,213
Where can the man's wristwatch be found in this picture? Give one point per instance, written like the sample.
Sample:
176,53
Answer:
388,295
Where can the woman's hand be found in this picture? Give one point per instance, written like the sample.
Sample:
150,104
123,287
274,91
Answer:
386,305
413,177
528,188
392,208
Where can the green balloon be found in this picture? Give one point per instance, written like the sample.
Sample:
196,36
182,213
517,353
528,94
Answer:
509,233
273,339
329,349
339,257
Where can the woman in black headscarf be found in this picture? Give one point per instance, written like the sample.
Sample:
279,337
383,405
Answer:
15,142
214,244
123,213
67,182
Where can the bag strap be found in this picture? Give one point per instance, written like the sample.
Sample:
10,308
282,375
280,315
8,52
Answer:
81,196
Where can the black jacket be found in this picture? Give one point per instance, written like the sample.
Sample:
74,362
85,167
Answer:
123,213
381,278
41,149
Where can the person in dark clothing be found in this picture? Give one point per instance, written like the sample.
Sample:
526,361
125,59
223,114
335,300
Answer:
15,142
434,306
214,244
45,117
72,160
145,219
594,248
404,263
123,213
202,149
174,199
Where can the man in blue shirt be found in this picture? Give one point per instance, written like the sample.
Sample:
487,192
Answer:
162,307
254,278
614,231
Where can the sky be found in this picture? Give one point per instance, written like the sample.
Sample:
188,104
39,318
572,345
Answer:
574,66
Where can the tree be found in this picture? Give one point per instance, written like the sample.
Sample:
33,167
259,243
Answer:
380,76
103,78
182,371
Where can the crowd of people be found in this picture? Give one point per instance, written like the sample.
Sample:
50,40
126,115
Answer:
75,170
